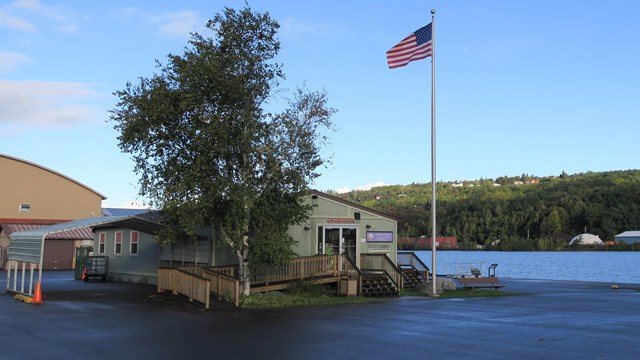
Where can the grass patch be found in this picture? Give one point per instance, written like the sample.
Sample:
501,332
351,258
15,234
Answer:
299,294
462,293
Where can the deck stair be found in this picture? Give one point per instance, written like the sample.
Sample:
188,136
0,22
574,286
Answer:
414,271
412,278
376,284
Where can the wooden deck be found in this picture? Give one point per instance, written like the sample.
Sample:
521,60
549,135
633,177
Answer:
199,283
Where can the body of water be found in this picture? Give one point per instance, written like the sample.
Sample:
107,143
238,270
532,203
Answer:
602,266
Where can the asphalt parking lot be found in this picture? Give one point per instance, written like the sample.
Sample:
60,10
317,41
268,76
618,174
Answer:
555,320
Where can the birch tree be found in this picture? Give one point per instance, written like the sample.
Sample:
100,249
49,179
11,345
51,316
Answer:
207,150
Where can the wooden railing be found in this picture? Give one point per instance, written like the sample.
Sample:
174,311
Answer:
300,268
184,282
410,260
381,262
223,281
224,286
229,270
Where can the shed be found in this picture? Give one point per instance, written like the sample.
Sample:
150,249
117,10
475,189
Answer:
629,237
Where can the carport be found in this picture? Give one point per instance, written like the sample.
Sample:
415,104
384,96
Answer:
27,247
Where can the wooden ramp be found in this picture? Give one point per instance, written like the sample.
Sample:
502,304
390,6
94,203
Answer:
381,278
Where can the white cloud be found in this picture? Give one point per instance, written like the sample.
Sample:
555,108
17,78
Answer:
127,12
46,104
68,28
294,28
10,60
367,186
40,11
12,22
180,23
27,4
37,7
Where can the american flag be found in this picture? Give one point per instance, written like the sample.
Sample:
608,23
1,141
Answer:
416,46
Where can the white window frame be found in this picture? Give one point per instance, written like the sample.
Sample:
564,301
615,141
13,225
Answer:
115,243
102,243
131,242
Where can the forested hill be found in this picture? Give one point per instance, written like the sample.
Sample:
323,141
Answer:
524,210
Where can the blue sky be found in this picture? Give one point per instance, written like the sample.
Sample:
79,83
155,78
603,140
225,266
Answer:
536,87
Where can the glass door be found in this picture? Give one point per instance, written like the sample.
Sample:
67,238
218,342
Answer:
331,244
348,246
339,240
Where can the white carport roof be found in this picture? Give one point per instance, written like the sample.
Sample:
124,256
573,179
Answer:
28,245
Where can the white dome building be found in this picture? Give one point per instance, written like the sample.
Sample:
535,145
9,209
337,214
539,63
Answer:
586,239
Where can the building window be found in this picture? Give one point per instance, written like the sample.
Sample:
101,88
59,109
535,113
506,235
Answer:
24,208
102,242
134,243
117,249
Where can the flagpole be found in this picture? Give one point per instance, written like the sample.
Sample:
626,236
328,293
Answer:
433,154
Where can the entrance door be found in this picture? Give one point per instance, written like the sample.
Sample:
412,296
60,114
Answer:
339,240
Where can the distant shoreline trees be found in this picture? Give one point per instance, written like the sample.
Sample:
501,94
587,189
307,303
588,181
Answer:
522,212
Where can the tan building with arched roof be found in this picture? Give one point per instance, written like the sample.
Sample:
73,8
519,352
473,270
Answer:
32,195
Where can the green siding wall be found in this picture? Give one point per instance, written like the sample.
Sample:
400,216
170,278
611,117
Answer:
330,213
141,268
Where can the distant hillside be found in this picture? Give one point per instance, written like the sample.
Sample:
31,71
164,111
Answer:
523,211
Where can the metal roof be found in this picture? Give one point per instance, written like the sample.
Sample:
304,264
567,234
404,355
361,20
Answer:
28,245
53,172
84,233
122,211
633,233
131,222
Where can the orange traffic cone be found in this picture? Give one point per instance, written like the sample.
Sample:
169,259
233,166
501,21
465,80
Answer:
37,296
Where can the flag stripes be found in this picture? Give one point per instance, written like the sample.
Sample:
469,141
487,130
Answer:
417,46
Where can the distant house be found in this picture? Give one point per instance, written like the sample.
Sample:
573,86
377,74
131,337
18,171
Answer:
629,237
442,242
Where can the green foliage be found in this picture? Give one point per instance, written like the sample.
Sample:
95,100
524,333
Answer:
523,212
298,295
206,150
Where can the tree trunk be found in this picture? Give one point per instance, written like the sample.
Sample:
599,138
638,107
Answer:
243,261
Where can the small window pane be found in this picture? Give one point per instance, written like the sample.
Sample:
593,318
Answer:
118,244
102,241
134,243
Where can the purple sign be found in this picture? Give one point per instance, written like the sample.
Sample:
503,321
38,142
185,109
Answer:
379,236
